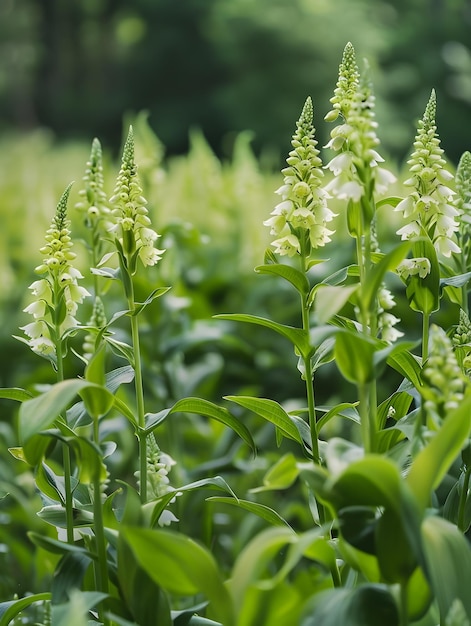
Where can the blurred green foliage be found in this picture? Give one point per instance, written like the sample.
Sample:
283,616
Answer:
77,67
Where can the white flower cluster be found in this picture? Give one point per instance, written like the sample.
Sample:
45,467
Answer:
355,167
299,221
130,210
428,210
57,294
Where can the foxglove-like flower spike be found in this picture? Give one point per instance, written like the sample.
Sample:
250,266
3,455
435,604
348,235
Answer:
299,221
57,293
463,194
133,224
93,199
462,343
355,168
429,207
445,384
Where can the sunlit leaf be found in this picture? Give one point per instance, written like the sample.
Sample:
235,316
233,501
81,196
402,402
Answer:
289,273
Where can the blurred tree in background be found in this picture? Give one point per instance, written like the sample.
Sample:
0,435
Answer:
225,66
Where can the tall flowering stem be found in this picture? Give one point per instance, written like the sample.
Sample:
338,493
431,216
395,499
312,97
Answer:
94,205
357,178
299,223
430,219
58,295
463,204
134,242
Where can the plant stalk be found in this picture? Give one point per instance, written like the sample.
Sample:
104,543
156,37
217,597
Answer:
463,498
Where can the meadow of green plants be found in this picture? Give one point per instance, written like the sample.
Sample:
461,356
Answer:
185,440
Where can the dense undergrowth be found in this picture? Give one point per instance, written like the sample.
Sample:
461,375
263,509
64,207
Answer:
187,441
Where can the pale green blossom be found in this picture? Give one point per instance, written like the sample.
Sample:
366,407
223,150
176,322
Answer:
299,221
429,210
355,168
57,294
133,225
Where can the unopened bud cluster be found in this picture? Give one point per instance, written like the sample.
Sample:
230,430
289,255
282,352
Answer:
442,376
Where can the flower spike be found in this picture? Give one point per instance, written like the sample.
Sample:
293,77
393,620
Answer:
299,220
133,222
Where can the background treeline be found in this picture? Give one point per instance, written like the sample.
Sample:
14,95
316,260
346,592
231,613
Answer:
226,66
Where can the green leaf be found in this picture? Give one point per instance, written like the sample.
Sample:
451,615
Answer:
432,463
329,300
158,506
281,476
391,201
254,559
41,412
289,273
9,610
344,409
184,567
263,511
54,545
297,336
271,411
448,560
220,414
368,605
354,356
77,607
15,393
140,306
407,365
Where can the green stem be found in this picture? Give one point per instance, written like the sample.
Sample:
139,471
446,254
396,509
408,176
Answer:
368,430
139,389
463,498
66,458
101,567
404,618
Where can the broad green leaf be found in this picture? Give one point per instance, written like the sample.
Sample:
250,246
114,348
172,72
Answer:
395,407
145,599
54,545
289,273
41,412
263,511
271,411
75,611
220,414
297,336
367,605
97,400
140,306
157,507
254,559
54,514
69,575
354,356
458,280
281,476
448,560
10,609
419,595
15,393
184,567
266,606
329,300
344,409
408,365
52,485
390,201
395,555
432,463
